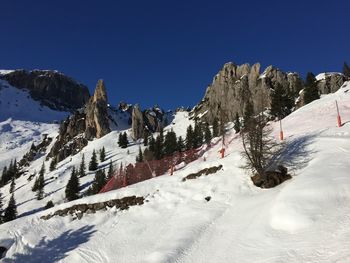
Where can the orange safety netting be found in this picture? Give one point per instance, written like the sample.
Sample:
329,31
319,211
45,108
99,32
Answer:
132,174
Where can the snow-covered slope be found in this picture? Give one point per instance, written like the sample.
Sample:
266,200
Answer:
306,219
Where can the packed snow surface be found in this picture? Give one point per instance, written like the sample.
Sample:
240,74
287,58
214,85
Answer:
306,219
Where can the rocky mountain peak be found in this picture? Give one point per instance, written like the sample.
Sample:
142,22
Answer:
100,92
52,88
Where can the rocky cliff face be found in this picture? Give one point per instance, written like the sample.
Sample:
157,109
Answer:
330,82
83,125
51,88
150,120
97,123
235,85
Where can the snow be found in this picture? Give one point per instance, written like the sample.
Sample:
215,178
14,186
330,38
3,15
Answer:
306,219
322,76
19,105
5,71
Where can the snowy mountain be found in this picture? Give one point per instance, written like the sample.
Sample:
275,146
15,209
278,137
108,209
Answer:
305,219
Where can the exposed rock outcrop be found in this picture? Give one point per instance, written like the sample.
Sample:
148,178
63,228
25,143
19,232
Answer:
234,86
330,82
97,123
51,88
272,178
205,171
137,124
150,120
82,126
77,211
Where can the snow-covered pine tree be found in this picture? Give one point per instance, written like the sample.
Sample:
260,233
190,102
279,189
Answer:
11,210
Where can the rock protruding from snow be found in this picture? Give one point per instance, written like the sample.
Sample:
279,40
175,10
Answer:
97,123
51,88
235,85
330,82
137,123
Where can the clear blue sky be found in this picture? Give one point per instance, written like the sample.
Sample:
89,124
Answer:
167,52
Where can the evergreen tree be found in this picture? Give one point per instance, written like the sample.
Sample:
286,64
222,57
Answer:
93,162
281,102
72,188
346,70
120,140
53,164
189,138
11,210
248,112
49,204
215,127
170,143
99,182
12,185
15,169
237,124
139,157
207,134
110,170
145,138
158,148
197,135
41,183
102,154
310,90
1,209
152,145
180,144
82,168
3,176
35,185
125,141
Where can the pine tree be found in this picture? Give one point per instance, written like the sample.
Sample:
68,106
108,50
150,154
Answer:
41,183
11,210
72,188
12,185
281,102
53,164
215,127
145,138
120,140
3,176
82,168
248,112
152,144
197,135
180,144
99,182
237,124
125,141
310,90
346,70
1,209
170,143
139,157
189,138
207,134
93,162
158,148
110,170
102,154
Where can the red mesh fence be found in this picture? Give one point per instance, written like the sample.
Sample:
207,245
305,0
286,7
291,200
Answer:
132,174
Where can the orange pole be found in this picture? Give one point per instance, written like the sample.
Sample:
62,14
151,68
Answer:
281,131
338,114
222,152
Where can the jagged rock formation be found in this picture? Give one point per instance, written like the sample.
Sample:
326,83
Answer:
51,88
137,126
82,126
150,120
271,178
234,86
35,151
330,82
97,123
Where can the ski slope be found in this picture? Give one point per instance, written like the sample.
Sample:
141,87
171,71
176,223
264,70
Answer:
306,219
